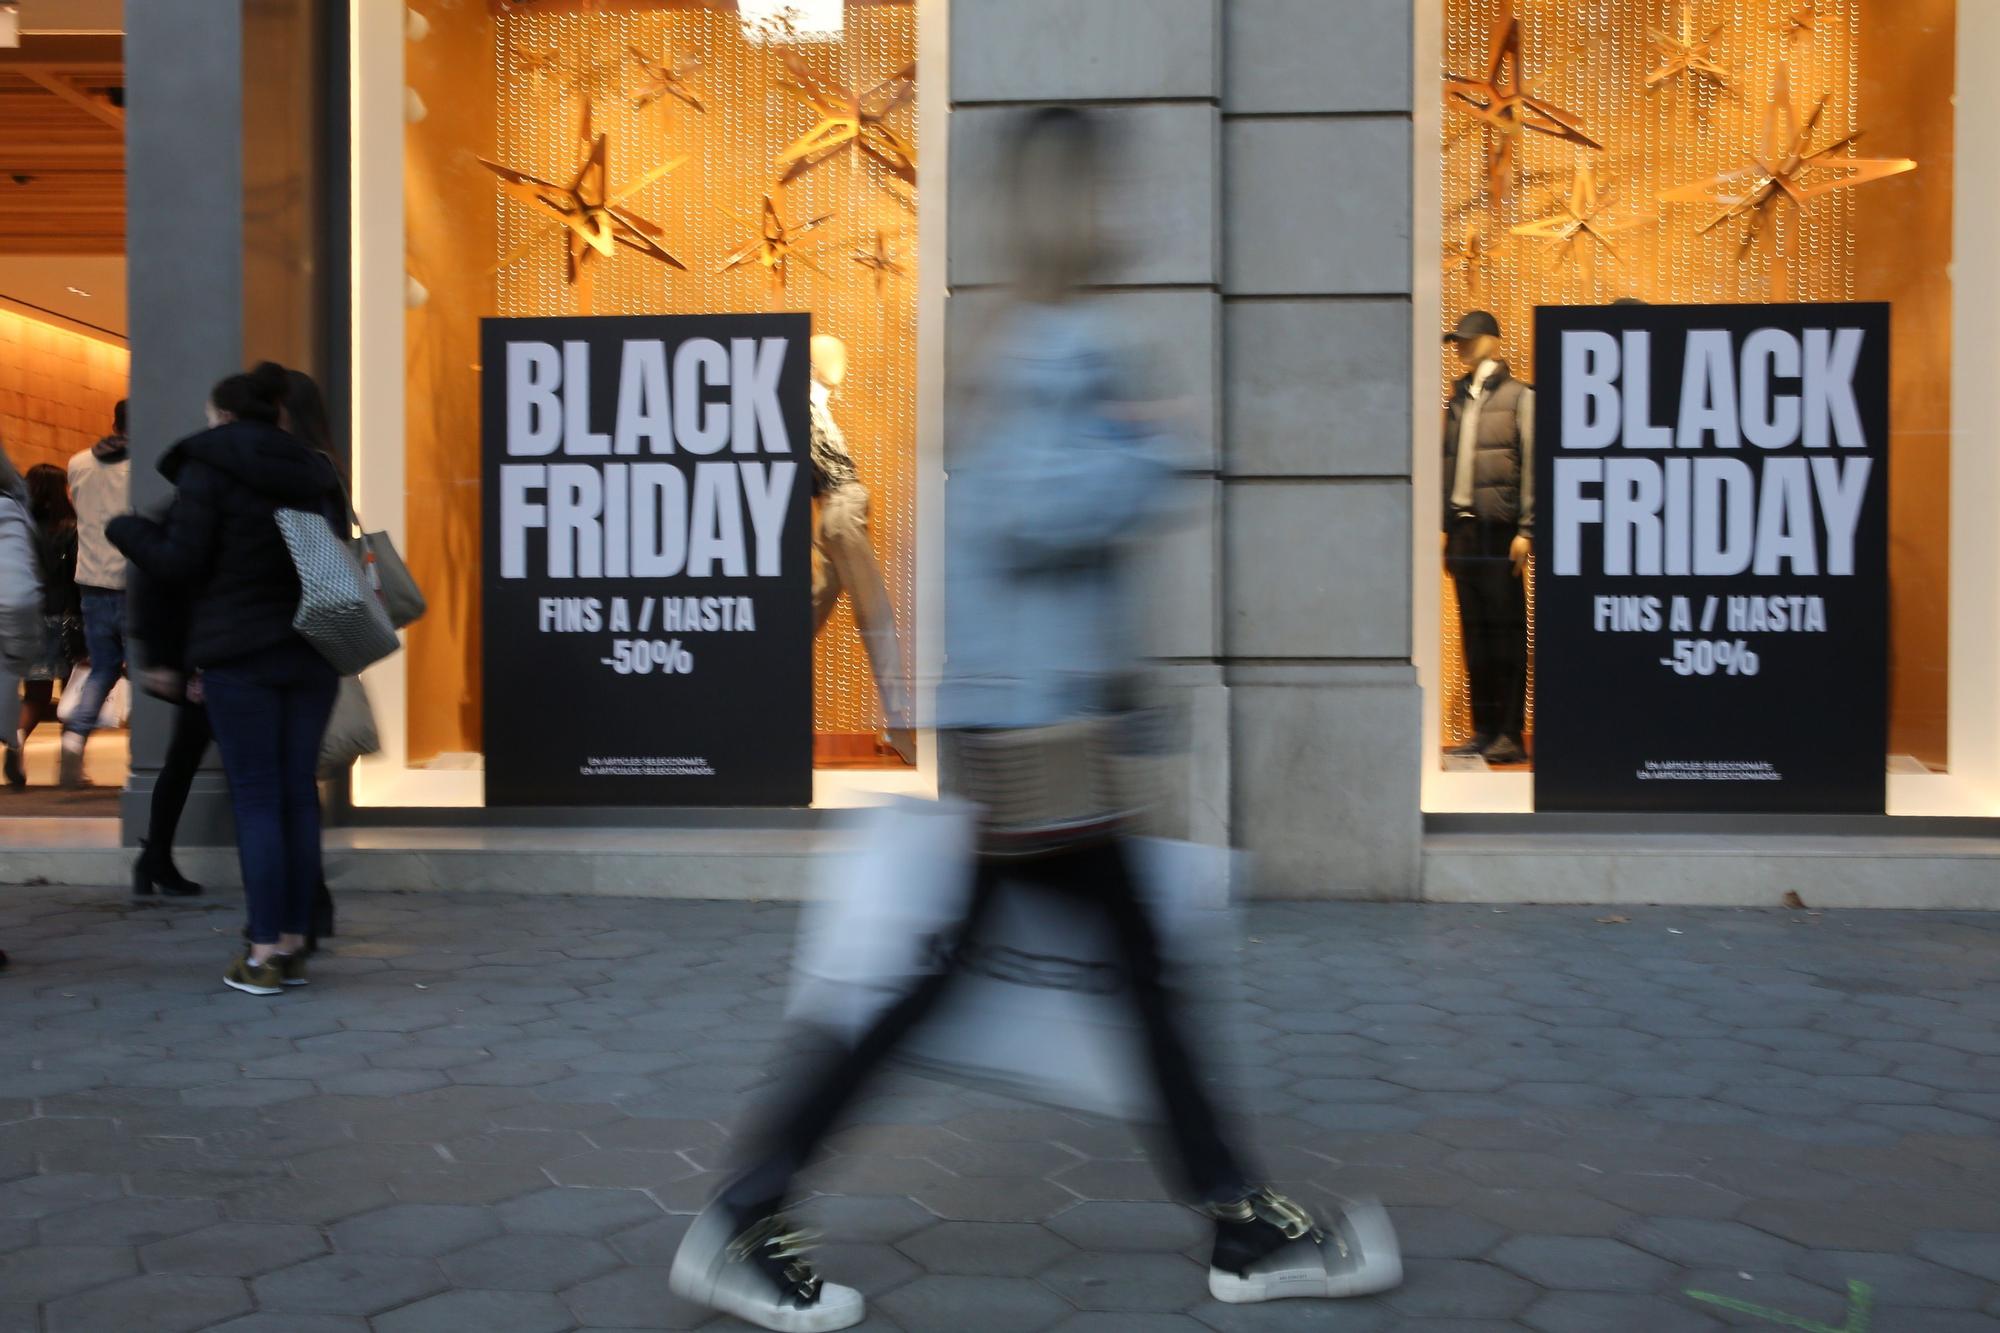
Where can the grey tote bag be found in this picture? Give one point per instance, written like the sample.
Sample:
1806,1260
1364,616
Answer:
339,612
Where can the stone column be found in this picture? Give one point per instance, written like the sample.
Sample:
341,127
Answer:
184,247
1151,69
1316,220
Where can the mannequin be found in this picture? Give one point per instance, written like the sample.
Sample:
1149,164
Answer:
843,557
1489,521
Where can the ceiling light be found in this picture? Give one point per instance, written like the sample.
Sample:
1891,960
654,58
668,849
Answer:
78,291
792,20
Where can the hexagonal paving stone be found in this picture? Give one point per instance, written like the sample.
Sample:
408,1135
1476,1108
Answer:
529,1263
1546,1212
859,1217
157,1303
1129,1281
1702,1243
997,1199
1100,1226
633,1298
44,1272
128,1221
1666,1195
1444,1233
293,1323
1457,1289
1597,1312
1581,1263
1897,1280
234,1249
990,1304
419,1230
1972,1252
360,1284
486,1311
1122,1179
619,1168
985,1249
577,1212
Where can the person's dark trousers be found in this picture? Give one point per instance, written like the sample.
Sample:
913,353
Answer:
1493,625
269,712
104,640
185,749
1099,875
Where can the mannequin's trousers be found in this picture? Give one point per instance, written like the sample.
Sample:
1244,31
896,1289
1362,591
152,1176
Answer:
1099,878
844,561
1492,623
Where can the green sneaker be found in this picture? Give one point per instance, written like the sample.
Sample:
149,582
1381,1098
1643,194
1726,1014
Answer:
254,978
292,968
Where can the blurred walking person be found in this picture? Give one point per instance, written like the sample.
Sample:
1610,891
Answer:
268,691
1065,467
62,615
100,485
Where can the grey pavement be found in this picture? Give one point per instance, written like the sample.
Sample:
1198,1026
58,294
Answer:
497,1114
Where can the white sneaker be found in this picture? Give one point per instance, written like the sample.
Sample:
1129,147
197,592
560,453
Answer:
759,1276
1356,1255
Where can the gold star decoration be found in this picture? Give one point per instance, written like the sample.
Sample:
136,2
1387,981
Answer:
1580,218
1787,169
1502,99
596,220
848,120
878,257
1802,20
663,80
1469,254
775,244
1686,53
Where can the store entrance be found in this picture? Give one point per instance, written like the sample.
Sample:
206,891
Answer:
63,375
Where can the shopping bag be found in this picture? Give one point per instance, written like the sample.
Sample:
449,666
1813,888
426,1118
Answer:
882,904
339,613
350,732
1041,1010
401,597
113,712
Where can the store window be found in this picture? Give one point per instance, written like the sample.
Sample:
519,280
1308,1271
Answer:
741,159
1676,153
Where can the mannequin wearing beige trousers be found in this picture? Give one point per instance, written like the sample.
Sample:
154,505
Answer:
844,557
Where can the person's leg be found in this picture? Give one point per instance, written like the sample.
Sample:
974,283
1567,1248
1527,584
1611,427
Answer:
810,1106
104,638
1462,560
844,536
247,714
1211,1169
308,703
185,749
826,587
38,705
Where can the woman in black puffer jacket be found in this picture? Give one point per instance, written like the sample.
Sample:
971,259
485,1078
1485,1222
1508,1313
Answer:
268,692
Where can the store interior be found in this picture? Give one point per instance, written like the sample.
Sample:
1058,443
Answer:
739,163
63,355
1590,153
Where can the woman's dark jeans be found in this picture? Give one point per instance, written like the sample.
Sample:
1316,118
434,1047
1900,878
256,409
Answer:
269,711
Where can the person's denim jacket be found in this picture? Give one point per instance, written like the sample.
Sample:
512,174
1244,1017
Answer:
1058,478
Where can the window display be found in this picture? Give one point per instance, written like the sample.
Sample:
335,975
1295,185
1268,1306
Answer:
632,158
1685,152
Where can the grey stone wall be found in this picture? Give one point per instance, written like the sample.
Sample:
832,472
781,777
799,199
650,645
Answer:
1263,195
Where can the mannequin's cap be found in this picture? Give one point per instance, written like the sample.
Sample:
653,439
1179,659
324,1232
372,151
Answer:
1476,324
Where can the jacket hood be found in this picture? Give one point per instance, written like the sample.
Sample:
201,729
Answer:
264,458
110,449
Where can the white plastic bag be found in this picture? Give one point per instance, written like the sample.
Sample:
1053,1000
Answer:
117,704
1042,1013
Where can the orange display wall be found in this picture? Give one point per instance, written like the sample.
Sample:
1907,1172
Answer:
703,123
1638,113
57,388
